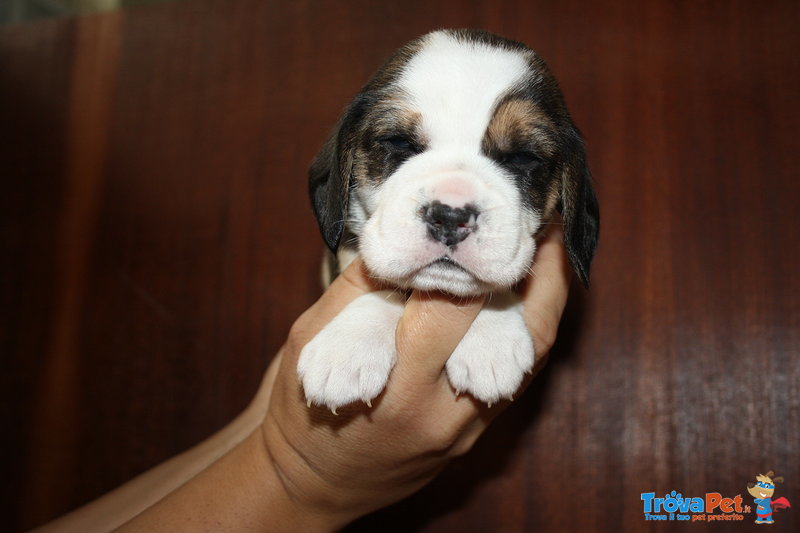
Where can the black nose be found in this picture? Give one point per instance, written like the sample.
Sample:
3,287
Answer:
450,225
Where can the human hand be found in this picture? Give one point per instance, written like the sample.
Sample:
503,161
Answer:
339,467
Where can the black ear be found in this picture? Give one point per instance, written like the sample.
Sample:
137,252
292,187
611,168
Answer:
579,209
331,171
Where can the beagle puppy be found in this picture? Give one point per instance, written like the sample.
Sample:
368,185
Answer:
440,174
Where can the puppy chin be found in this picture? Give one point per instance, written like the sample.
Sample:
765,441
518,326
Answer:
449,277
445,273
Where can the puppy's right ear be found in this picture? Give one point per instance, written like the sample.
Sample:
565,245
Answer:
330,176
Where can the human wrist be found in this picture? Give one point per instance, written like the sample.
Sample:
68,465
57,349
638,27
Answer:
294,492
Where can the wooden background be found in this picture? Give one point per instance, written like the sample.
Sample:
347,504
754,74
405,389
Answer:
157,243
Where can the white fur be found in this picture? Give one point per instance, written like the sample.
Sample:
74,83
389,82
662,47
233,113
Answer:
350,359
492,358
455,87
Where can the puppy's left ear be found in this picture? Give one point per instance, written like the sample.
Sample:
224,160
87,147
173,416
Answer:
579,209
331,173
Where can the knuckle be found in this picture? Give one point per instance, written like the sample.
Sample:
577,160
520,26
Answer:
433,436
450,438
462,446
438,440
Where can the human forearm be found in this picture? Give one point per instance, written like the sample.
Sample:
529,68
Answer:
242,491
126,501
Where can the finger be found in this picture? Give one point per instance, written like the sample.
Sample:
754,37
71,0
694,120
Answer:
545,293
431,327
353,282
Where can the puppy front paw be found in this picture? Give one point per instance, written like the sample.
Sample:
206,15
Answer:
491,360
351,358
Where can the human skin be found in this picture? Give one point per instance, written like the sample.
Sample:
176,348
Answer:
284,466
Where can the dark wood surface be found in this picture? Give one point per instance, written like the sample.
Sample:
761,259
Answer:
157,244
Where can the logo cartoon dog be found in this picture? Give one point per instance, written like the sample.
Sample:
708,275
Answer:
762,491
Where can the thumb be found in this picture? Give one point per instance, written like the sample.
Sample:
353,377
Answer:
431,327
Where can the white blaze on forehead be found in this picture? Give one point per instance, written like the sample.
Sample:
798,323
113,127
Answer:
455,85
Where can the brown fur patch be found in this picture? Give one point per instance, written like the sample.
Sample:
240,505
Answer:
389,117
518,124
551,202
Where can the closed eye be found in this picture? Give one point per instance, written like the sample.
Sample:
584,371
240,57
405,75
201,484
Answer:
400,144
520,160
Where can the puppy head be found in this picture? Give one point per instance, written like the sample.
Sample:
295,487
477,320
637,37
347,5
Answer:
449,161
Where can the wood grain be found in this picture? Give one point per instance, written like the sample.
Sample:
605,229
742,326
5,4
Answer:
157,244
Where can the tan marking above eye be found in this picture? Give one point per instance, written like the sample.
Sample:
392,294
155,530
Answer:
517,122
389,122
393,117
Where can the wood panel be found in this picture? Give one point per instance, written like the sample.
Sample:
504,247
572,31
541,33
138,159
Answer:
157,244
